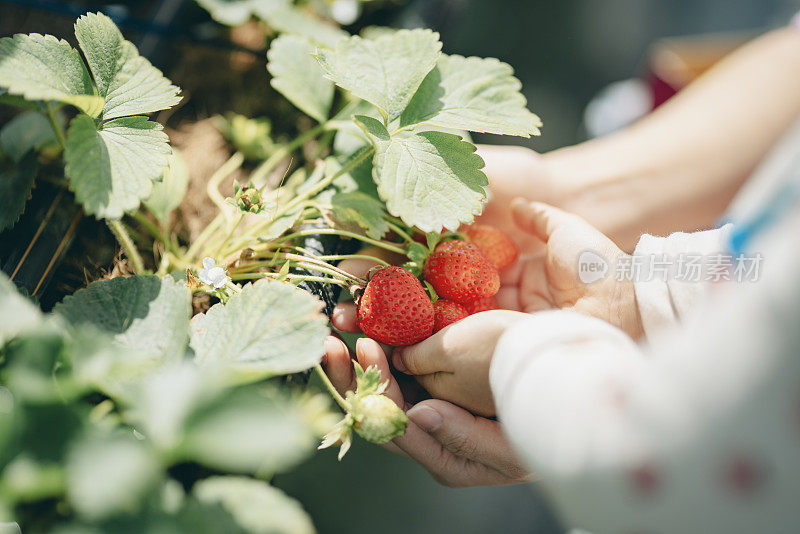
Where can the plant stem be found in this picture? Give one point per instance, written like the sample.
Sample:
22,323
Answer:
399,231
229,235
148,225
325,182
338,257
212,188
332,390
263,170
301,277
51,116
202,238
127,245
343,233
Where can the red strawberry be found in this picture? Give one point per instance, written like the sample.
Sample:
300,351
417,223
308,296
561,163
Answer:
460,272
497,246
480,305
446,313
395,309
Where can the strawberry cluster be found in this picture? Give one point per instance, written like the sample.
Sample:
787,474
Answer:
395,308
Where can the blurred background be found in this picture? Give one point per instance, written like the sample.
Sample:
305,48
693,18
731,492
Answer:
570,56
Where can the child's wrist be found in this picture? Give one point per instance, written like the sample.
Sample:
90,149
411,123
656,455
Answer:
626,309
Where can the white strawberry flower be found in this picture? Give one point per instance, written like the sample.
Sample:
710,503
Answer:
213,275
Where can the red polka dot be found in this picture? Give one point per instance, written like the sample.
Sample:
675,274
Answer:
645,479
742,474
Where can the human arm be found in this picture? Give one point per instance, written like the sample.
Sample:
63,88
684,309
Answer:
677,168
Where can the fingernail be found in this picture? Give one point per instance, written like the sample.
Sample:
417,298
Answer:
397,361
519,203
331,345
425,417
337,313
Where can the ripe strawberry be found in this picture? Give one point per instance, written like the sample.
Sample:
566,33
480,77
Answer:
460,272
446,313
480,305
395,309
497,246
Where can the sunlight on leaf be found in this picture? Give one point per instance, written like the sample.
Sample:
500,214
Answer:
145,314
473,94
270,328
113,169
386,71
431,180
298,77
41,67
255,505
169,192
127,81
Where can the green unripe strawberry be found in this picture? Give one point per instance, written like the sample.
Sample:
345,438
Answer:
377,419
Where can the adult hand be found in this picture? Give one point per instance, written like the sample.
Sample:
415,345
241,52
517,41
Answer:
457,448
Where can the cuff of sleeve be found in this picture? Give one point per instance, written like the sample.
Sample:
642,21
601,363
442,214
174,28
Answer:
666,296
521,344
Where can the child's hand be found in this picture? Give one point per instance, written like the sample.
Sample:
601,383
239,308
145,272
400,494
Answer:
551,279
454,363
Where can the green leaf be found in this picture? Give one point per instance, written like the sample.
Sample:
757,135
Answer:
361,210
473,94
162,404
145,315
108,475
253,430
256,506
25,132
16,182
169,192
17,314
112,169
127,81
386,71
236,12
268,329
298,21
41,67
349,137
297,76
431,180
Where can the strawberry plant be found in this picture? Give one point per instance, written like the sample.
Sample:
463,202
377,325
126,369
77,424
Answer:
106,399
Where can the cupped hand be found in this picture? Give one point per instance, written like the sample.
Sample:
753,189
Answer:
456,447
551,278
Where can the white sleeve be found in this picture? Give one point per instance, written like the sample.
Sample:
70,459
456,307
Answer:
700,434
667,295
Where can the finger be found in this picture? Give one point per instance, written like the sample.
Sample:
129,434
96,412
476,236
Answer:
538,218
344,317
465,435
369,352
358,267
426,357
508,298
338,365
444,466
511,275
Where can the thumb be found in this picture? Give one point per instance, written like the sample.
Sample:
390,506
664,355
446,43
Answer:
465,435
538,218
